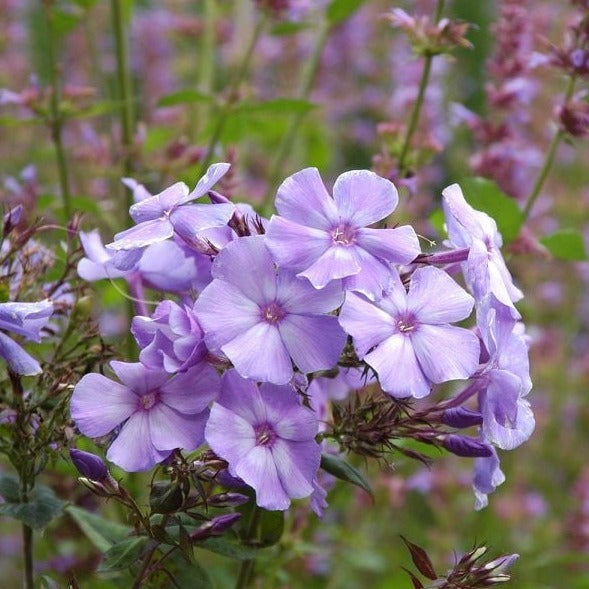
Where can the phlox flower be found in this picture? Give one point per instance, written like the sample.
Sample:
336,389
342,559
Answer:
407,337
485,270
160,216
487,477
263,319
268,439
26,319
156,413
325,239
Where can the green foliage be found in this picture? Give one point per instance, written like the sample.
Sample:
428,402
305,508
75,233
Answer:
565,244
123,554
340,10
344,471
103,533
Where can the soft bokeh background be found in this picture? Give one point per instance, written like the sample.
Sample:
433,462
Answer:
185,58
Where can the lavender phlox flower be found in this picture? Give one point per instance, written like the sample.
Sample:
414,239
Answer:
508,420
156,413
27,320
138,190
487,477
160,216
407,337
485,270
98,263
261,317
171,339
272,444
325,239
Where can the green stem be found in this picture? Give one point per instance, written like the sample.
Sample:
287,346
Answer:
423,82
55,119
549,159
126,95
247,566
27,536
232,94
285,147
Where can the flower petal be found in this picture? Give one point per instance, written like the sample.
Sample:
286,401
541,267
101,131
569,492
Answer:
189,220
362,197
297,464
398,246
190,392
143,235
99,404
137,377
336,262
170,429
18,360
296,295
213,174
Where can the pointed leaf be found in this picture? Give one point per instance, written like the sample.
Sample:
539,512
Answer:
123,554
421,560
230,548
101,532
340,10
344,471
565,244
271,527
417,584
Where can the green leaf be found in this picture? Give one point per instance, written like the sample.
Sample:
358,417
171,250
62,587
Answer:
64,22
230,548
484,195
437,221
86,4
344,471
101,532
184,97
288,28
340,10
276,106
123,554
187,574
165,497
271,527
37,512
566,244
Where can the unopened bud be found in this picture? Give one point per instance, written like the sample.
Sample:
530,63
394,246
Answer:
217,198
461,417
215,527
12,219
89,465
228,499
465,446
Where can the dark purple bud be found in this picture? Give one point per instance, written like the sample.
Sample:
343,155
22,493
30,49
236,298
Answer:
222,523
465,446
217,198
12,218
89,465
461,417
228,499
577,58
228,481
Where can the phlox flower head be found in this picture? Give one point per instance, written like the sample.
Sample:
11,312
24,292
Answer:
485,270
171,339
27,320
264,319
271,445
325,239
160,216
152,413
407,337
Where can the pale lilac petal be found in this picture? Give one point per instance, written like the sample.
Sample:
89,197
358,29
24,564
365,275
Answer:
17,359
260,354
247,264
375,277
398,371
190,392
189,220
139,191
147,210
297,464
92,271
435,298
243,398
213,174
398,246
446,352
133,449
295,246
461,219
258,470
296,295
137,377
93,246
170,429
336,262
487,477
143,235
366,323
126,259
99,404
500,278
232,448
224,312
302,198
362,197
26,319
513,356
314,342
170,197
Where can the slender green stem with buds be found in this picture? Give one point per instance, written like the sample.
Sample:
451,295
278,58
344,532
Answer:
549,159
55,119
247,566
416,111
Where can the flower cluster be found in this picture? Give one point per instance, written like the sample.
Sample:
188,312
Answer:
292,311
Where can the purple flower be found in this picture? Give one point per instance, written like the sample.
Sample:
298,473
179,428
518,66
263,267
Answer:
168,212
485,270
406,337
98,263
508,420
89,465
158,414
261,318
272,444
26,319
171,339
324,238
487,477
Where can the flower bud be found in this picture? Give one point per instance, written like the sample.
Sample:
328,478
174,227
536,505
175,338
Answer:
461,417
89,465
228,499
465,446
12,219
215,527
